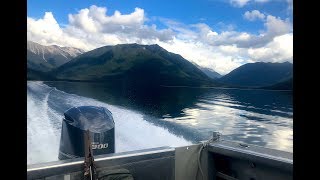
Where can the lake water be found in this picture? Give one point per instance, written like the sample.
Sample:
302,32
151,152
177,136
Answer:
163,116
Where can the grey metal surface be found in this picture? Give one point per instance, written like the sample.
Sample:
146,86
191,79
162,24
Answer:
232,160
155,163
275,158
242,169
186,163
219,160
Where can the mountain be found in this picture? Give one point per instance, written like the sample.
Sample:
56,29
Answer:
210,72
38,75
45,58
258,74
142,65
283,85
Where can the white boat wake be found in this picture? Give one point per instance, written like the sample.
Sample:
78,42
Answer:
45,107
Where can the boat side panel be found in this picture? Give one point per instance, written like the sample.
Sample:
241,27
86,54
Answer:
246,169
274,158
239,161
186,163
155,164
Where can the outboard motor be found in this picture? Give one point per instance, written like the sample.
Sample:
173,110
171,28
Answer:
77,120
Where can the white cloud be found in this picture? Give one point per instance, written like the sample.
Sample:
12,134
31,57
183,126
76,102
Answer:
47,31
229,49
91,27
183,31
278,50
290,5
95,20
253,15
204,55
262,1
276,26
241,3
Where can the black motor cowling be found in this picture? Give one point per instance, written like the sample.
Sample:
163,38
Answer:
77,120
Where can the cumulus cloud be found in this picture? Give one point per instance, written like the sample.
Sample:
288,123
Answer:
95,20
277,26
47,31
274,27
91,27
253,15
280,49
229,49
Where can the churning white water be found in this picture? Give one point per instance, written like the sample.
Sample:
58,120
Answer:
44,116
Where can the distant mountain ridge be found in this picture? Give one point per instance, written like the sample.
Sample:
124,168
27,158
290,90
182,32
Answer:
209,72
45,58
282,85
258,74
143,65
146,65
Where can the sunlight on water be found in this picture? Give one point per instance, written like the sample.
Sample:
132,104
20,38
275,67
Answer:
235,121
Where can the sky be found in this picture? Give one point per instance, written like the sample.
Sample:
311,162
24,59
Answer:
218,34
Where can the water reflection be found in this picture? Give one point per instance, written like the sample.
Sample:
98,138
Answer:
252,116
